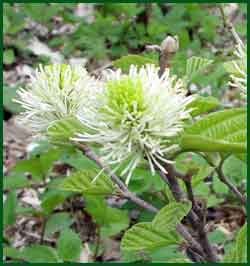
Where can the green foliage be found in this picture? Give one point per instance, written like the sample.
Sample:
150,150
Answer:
159,233
57,222
202,105
171,215
38,166
61,131
9,209
9,93
223,131
39,253
15,182
126,61
118,34
69,246
111,220
82,182
196,65
52,198
8,57
235,169
143,236
239,251
34,253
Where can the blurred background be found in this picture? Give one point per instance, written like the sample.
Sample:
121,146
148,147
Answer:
94,35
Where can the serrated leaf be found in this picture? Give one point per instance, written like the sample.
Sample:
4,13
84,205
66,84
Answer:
201,105
57,222
171,215
39,253
82,182
196,65
62,130
223,131
125,62
143,236
239,252
69,246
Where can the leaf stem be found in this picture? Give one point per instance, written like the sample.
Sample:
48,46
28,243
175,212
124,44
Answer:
140,202
229,184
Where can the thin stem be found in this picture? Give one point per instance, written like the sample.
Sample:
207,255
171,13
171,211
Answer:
194,220
228,25
140,202
229,184
43,229
168,48
98,241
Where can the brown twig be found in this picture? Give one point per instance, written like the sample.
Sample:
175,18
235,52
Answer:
168,48
140,202
229,184
98,242
228,25
193,218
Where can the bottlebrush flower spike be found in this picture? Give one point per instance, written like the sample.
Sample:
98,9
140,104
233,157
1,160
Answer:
56,91
135,117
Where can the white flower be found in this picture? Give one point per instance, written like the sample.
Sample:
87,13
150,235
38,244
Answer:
135,117
56,91
239,66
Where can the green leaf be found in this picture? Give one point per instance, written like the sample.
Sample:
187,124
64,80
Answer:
53,198
62,130
201,105
239,252
10,93
169,254
223,131
125,62
9,209
143,236
217,236
79,161
235,169
112,220
40,253
203,172
15,182
57,222
69,246
38,167
12,253
204,144
196,65
170,215
82,182
8,57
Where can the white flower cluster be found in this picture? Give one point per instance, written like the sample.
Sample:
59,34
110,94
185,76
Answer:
56,91
136,117
130,117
